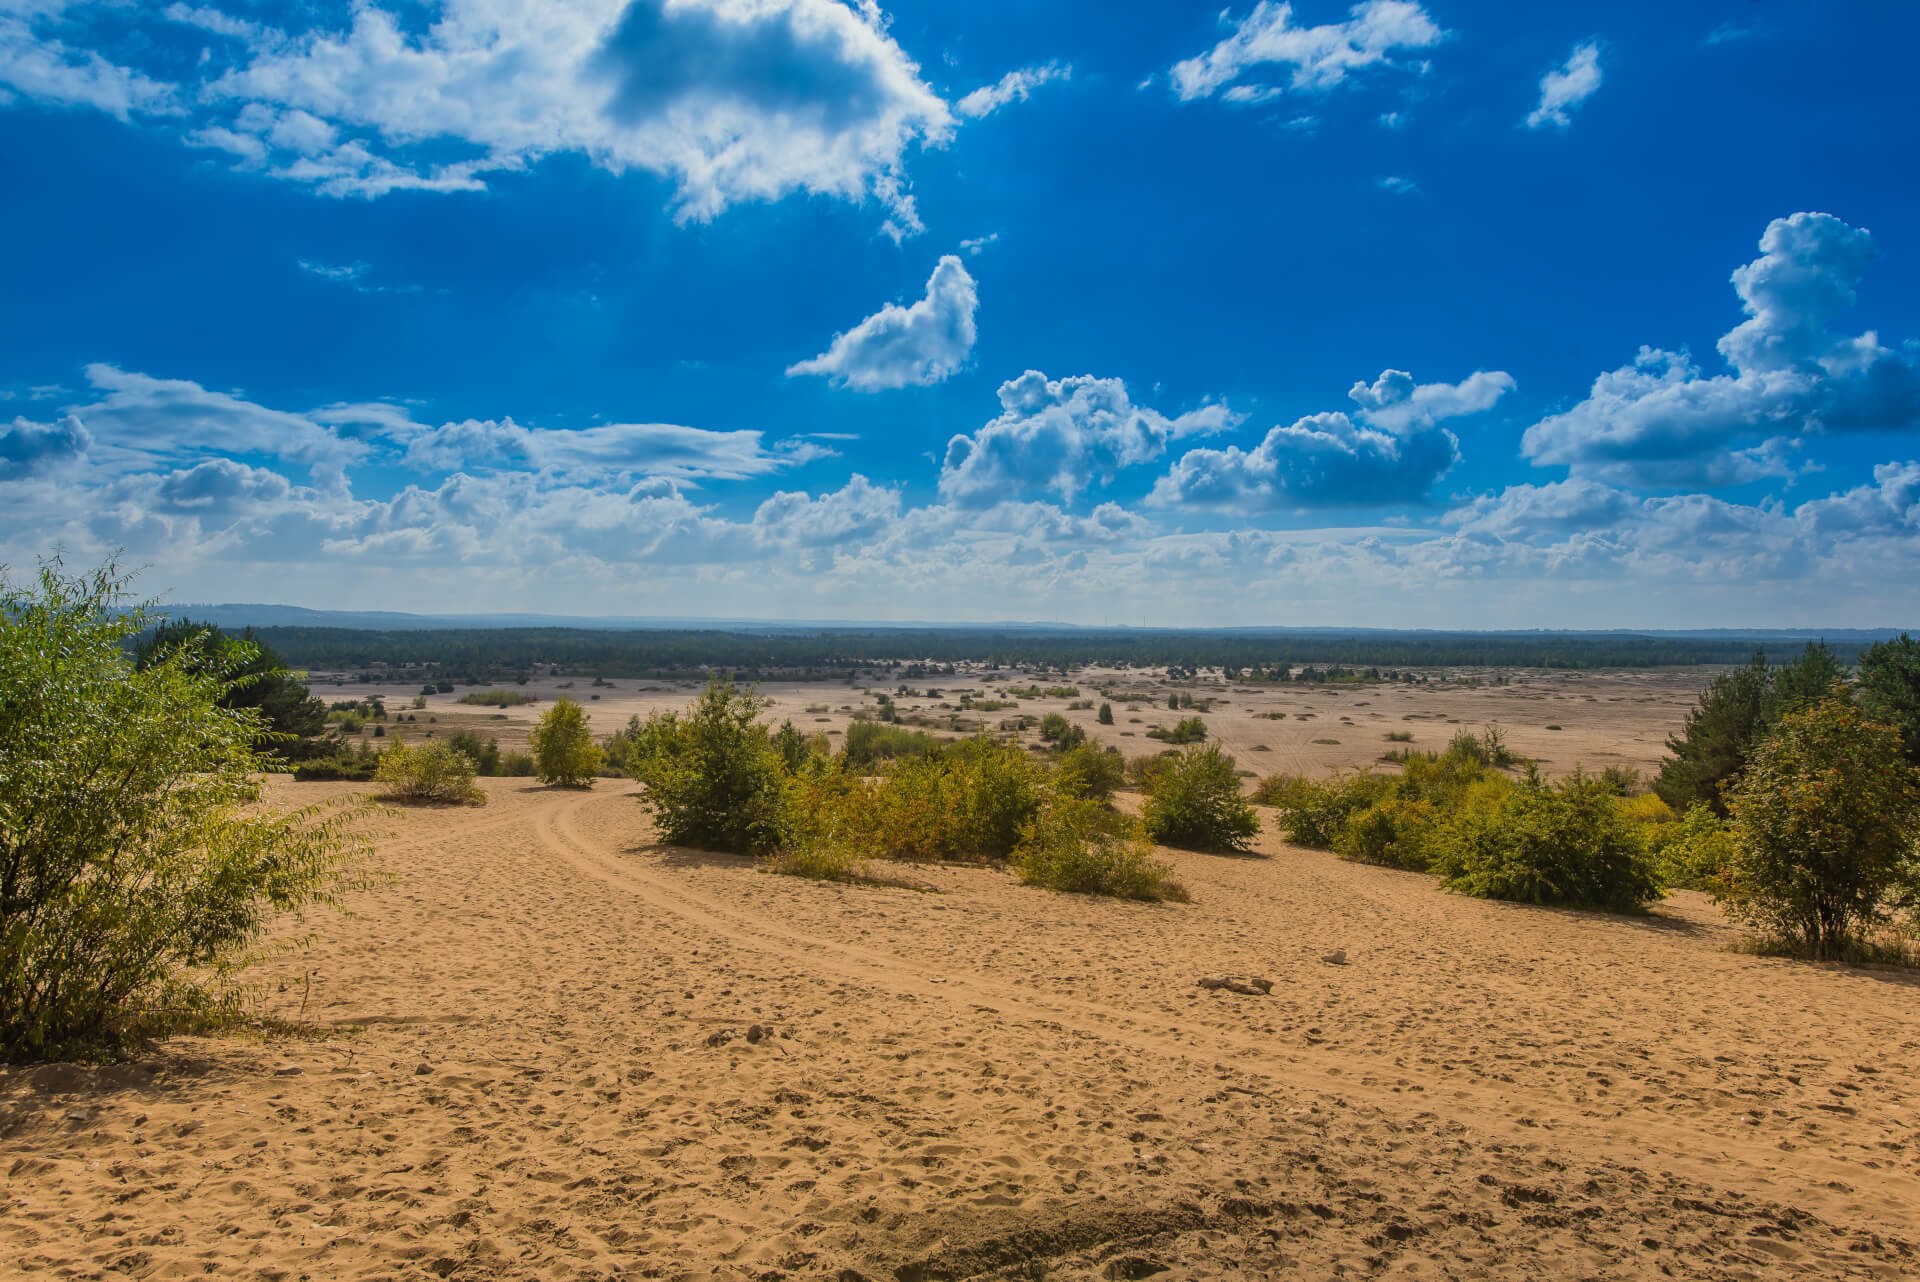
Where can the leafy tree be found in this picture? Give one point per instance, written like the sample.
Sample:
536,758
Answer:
1824,824
1807,679
564,753
1890,689
1195,802
1544,843
256,679
712,776
1712,746
136,868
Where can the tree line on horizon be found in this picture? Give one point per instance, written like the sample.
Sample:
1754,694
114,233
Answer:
487,654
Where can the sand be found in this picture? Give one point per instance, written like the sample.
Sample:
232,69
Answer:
531,1060
1593,718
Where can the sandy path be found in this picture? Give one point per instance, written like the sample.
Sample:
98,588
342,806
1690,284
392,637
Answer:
975,1075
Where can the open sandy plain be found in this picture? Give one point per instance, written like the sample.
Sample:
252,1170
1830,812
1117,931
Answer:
1560,719
532,1057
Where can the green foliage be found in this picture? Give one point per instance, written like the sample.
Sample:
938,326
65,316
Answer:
1825,819
1105,715
137,872
1396,833
516,765
345,762
1090,771
255,677
564,753
429,772
1488,748
1143,770
1196,803
1057,730
1890,689
1564,844
711,776
827,826
1078,845
483,753
791,745
969,802
1695,852
1733,715
1190,730
1315,812
1712,746
870,742
498,698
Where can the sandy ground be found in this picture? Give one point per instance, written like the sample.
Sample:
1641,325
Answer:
535,1066
1601,718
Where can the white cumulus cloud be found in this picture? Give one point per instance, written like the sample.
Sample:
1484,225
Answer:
1390,451
1062,436
731,101
1664,421
913,346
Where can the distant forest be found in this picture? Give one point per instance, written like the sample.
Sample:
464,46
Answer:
486,654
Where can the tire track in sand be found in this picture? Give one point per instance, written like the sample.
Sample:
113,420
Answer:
1698,1155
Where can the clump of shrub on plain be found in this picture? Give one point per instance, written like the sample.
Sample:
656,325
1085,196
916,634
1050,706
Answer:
564,752
1563,843
499,698
433,772
1194,802
1075,844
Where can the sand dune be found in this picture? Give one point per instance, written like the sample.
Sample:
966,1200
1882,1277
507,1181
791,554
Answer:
540,1067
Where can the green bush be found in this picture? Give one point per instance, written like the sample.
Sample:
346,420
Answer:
1057,730
1695,851
827,828
1565,843
1196,803
564,753
517,765
1078,845
1825,819
711,776
970,802
429,772
483,753
137,869
1396,833
870,742
1143,770
498,698
1105,715
1315,812
1091,771
1190,730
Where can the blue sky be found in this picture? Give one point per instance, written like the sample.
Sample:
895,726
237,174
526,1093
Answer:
1449,313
